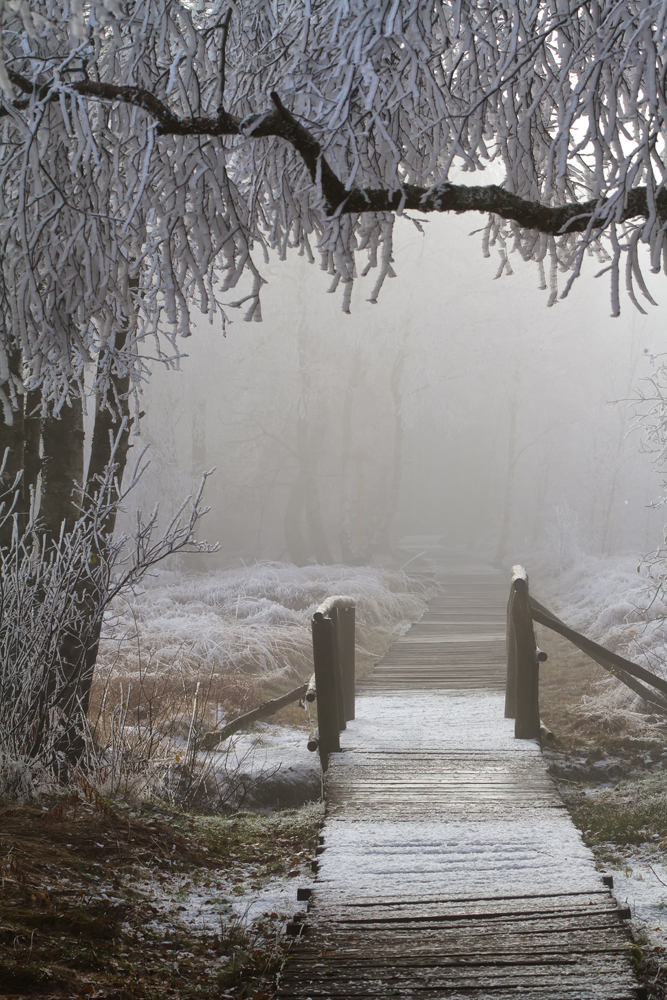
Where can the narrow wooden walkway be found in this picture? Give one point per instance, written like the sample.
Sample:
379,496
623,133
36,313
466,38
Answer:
449,867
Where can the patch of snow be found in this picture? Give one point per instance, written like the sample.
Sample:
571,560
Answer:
434,720
641,884
269,769
489,858
207,905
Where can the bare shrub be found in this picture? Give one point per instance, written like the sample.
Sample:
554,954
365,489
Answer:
173,662
53,595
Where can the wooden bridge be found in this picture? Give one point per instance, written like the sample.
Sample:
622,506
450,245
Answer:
449,867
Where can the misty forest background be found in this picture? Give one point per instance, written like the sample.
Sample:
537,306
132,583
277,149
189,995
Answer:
457,406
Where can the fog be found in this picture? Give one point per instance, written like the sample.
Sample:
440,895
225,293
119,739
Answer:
457,406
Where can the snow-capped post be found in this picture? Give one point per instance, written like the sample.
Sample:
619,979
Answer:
333,656
325,681
522,661
510,684
346,627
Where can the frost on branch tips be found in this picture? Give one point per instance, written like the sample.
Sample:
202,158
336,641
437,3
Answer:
154,152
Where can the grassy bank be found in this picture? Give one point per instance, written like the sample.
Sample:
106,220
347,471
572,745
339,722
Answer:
609,762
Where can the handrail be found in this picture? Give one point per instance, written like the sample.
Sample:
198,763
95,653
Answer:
524,656
213,739
332,684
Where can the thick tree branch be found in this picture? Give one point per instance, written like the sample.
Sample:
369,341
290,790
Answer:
575,217
553,220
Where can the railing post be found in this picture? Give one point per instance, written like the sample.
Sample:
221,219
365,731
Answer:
338,672
510,684
526,666
346,624
325,681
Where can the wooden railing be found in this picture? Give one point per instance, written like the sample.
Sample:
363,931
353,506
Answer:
332,684
522,689
522,701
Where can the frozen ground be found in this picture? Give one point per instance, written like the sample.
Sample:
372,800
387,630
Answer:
621,604
205,904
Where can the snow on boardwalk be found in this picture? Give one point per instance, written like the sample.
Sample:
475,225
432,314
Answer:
450,867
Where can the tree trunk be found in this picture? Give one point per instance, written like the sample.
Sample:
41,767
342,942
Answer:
310,435
310,447
112,427
354,380
62,468
199,440
197,561
11,444
107,429
32,462
540,501
381,535
79,651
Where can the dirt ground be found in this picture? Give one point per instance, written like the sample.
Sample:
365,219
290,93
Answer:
95,893
94,900
609,762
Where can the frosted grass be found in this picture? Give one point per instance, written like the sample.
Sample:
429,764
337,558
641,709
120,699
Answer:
253,620
607,599
622,606
183,655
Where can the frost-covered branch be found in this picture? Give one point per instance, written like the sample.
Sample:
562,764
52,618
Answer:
126,191
552,220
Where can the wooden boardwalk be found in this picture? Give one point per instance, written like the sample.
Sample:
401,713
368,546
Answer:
449,867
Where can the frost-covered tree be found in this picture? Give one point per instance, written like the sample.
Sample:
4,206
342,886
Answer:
150,148
154,152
